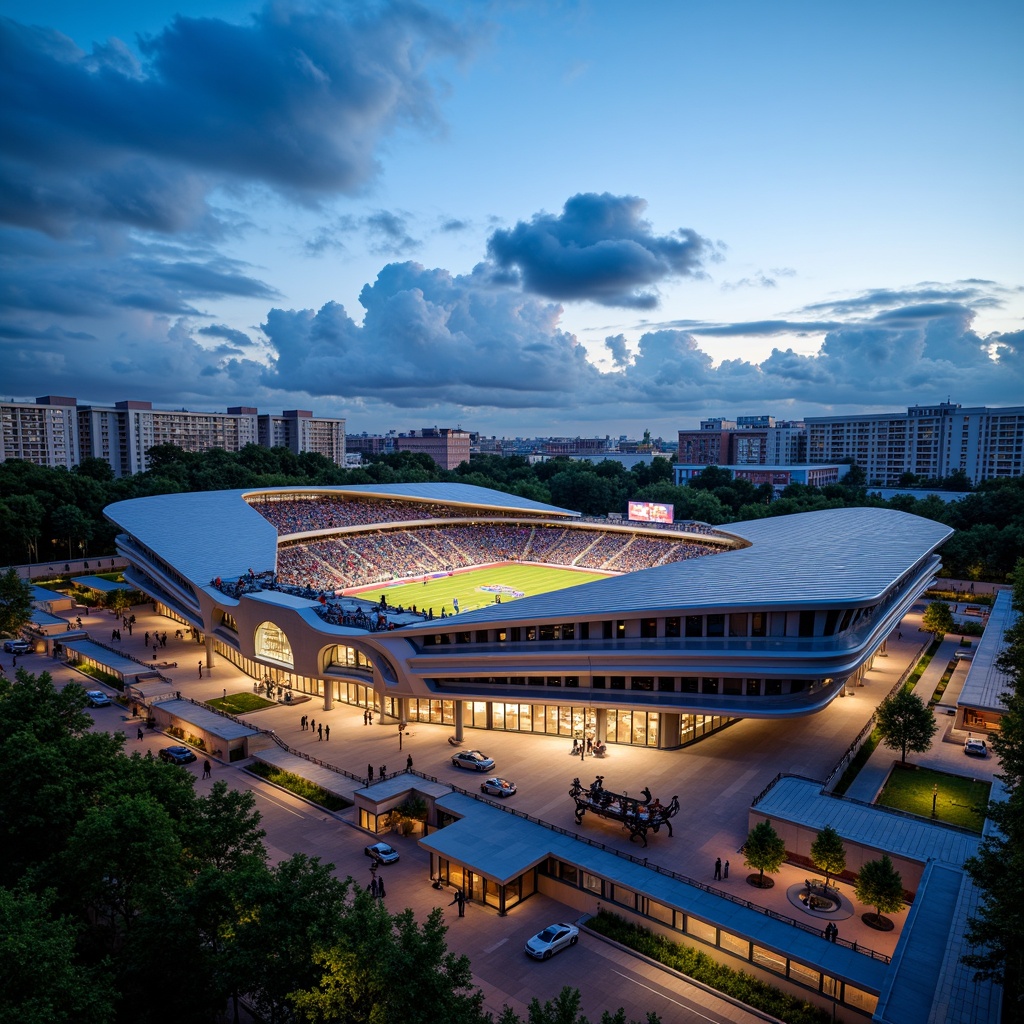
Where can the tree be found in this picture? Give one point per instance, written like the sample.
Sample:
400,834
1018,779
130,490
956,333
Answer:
937,619
15,603
905,723
764,851
117,601
828,853
72,524
879,885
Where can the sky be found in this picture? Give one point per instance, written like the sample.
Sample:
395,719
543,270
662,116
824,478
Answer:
555,218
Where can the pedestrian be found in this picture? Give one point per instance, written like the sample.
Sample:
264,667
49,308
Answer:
302,723
207,769
200,670
899,635
146,643
583,750
383,771
373,886
365,717
718,869
835,931
725,870
312,725
327,734
369,772
320,731
380,888
460,902
408,763
140,732
590,744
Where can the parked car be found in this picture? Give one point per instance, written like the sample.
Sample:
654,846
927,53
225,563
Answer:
552,940
975,748
177,755
97,698
17,646
498,787
384,853
473,760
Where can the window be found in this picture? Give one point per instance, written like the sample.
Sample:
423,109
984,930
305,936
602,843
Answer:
606,629
694,625
701,930
598,682
735,944
572,680
757,623
733,686
568,630
617,683
753,687
594,883
709,684
648,628
548,633
716,625
688,684
672,626
738,624
667,684
481,636
620,630
807,623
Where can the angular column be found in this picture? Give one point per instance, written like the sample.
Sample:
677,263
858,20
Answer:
460,732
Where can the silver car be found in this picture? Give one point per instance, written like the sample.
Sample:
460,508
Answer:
473,760
552,940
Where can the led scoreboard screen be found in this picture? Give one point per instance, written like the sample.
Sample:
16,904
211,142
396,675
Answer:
651,512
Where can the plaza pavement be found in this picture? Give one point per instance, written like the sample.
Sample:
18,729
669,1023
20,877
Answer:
716,780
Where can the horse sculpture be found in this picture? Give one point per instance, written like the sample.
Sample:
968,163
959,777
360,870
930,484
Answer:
638,817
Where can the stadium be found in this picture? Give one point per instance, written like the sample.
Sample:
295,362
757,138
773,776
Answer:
405,598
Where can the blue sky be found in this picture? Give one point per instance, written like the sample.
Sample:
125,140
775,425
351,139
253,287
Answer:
517,217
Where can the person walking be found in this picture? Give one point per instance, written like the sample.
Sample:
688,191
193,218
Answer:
320,731
408,763
718,869
383,771
380,888
373,886
327,734
140,732
312,725
369,772
207,769
725,870
200,670
146,642
460,902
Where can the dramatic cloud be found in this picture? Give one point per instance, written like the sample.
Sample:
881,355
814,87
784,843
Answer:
600,249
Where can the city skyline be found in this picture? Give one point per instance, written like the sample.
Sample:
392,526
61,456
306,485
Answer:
519,219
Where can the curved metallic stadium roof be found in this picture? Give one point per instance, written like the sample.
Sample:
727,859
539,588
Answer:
835,556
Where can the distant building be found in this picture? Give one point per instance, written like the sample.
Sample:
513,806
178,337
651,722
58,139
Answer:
577,445
55,431
448,447
44,432
370,444
932,442
746,441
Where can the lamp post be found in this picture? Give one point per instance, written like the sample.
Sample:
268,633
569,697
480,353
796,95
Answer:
401,731
935,796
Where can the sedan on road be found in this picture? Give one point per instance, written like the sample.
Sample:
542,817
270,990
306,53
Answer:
975,748
382,852
473,760
17,646
176,755
498,787
97,698
552,940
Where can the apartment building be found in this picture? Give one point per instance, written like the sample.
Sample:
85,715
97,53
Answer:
448,447
745,441
57,431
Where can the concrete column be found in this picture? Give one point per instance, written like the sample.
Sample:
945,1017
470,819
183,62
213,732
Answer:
210,659
460,729
602,725
328,694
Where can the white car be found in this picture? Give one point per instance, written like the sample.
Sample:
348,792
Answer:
97,698
552,940
498,787
382,852
975,748
473,760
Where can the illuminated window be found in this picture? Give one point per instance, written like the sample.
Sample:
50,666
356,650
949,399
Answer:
271,643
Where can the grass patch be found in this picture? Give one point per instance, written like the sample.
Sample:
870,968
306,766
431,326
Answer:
526,578
103,677
960,801
696,964
926,660
299,786
943,683
240,703
859,760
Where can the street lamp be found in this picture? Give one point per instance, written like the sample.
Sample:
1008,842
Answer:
401,731
935,796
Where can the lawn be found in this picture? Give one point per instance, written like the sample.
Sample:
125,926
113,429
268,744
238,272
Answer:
960,801
524,579
240,703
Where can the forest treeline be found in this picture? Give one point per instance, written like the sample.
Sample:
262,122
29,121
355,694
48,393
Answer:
53,515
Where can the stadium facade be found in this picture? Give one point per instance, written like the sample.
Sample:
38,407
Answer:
770,618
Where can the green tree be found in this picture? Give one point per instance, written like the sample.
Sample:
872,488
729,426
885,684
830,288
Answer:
42,978
72,525
117,601
937,619
828,854
15,603
905,723
764,850
879,885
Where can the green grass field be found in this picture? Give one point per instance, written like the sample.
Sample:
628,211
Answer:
440,593
960,801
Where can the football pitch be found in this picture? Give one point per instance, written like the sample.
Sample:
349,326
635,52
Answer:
467,587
